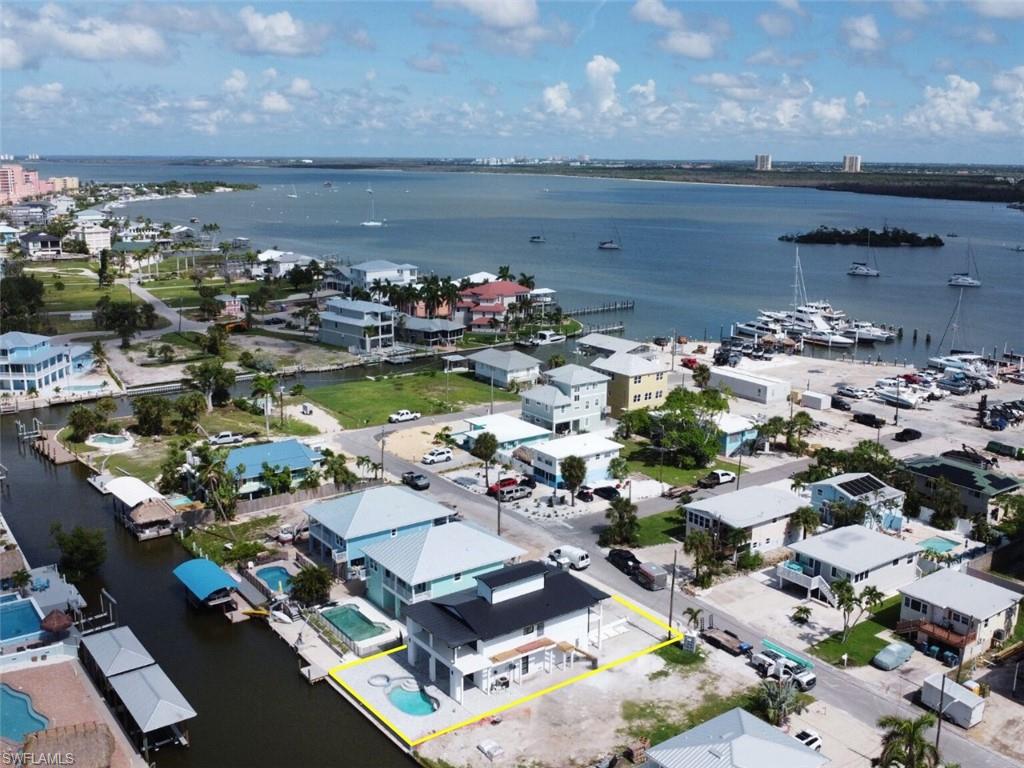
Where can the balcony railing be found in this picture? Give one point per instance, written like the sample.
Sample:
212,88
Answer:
945,635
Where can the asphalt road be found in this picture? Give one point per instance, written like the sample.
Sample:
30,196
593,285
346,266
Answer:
835,687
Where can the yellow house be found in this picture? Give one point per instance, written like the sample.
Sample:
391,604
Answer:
636,382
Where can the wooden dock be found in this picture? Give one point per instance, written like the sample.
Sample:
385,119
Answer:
596,309
47,445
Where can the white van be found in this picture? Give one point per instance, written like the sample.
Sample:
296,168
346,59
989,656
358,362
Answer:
568,555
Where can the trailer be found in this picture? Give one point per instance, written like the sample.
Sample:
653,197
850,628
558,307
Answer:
816,401
952,701
726,641
750,386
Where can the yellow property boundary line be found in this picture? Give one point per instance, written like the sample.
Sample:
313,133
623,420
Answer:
335,673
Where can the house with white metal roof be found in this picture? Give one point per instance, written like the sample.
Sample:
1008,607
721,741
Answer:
734,739
884,504
503,368
339,528
953,609
603,344
365,274
431,562
734,432
509,431
854,553
637,381
761,510
572,399
596,450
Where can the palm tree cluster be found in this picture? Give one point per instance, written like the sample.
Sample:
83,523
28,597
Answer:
794,429
435,296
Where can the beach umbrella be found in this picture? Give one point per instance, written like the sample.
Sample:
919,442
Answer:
56,621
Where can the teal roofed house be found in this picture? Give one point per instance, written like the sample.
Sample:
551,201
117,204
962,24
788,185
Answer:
339,528
247,463
431,562
28,363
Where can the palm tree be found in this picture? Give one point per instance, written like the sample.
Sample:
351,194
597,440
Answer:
799,425
622,522
871,597
700,545
218,482
779,699
556,361
527,281
770,430
21,579
702,376
311,585
363,463
444,437
692,616
336,468
801,614
905,743
618,468
263,386
448,293
805,519
504,272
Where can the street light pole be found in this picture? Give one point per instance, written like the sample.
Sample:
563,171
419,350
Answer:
497,496
896,419
383,439
672,593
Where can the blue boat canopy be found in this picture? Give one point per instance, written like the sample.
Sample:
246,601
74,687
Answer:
203,577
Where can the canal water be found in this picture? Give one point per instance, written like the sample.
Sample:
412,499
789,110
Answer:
254,708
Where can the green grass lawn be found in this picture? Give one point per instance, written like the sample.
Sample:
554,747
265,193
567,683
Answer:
677,661
231,419
246,539
362,403
80,293
173,292
662,528
645,461
863,642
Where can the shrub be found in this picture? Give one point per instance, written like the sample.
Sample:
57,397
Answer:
748,561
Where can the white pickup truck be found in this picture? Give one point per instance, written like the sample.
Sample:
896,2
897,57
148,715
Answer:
226,438
402,415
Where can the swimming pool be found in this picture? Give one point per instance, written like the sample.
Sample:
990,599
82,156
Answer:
19,621
414,702
18,718
101,438
940,544
178,499
276,577
351,622
84,387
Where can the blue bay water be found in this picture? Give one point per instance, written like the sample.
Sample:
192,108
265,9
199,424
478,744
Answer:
695,257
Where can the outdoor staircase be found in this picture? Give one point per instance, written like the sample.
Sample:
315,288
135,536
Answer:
826,591
810,583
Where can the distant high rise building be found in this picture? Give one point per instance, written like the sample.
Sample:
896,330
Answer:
851,163
763,162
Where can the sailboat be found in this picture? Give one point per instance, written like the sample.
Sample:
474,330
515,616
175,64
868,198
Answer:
294,195
964,279
372,221
862,268
611,244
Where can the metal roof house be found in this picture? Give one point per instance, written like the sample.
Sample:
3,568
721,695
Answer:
504,368
509,431
954,609
572,399
114,652
247,462
339,528
141,508
429,331
431,562
206,583
596,450
853,553
761,510
734,739
734,432
358,326
602,343
518,621
979,486
637,381
884,503
28,362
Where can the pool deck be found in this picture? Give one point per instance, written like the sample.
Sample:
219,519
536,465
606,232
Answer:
62,692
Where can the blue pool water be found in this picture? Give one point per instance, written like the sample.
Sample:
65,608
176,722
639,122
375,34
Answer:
351,622
108,439
18,619
18,717
178,498
275,577
412,702
939,544
83,387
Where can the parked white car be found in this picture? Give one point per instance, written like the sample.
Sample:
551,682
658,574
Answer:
403,415
810,739
226,438
855,392
437,456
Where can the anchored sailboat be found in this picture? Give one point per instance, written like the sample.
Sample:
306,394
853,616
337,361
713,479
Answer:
294,195
372,220
612,244
964,279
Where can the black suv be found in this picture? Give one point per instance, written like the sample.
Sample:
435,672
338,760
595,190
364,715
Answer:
624,560
839,404
906,435
607,492
869,420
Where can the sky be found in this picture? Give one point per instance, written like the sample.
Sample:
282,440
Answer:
905,81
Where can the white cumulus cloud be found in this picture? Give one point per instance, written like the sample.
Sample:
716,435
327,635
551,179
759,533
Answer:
645,93
301,88
236,82
50,93
910,9
601,72
500,14
999,9
831,113
432,64
557,98
657,13
861,101
679,38
860,33
274,102
279,33
953,110
359,38
775,24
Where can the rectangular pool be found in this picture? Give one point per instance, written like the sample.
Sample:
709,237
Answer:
940,544
351,622
19,621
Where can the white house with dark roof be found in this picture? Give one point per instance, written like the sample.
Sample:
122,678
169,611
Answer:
431,562
504,367
954,609
572,399
862,556
734,739
523,620
884,503
761,510
339,528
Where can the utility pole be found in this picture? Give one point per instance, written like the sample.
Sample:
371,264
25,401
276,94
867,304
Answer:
498,497
896,420
673,350
739,469
492,392
383,438
672,592
942,698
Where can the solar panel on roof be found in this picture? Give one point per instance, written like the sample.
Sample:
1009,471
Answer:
862,485
1000,483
